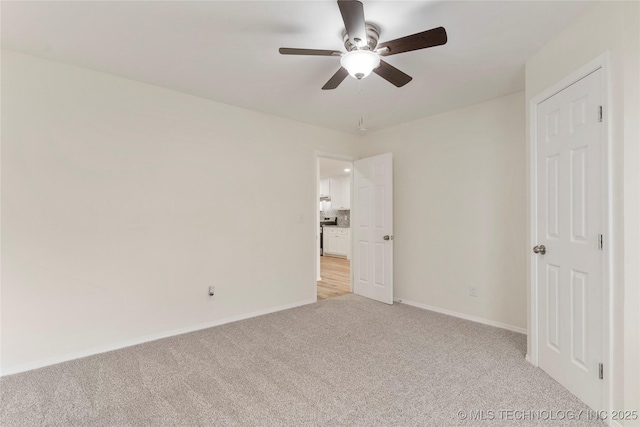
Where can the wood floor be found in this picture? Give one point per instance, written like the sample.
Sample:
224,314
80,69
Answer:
335,274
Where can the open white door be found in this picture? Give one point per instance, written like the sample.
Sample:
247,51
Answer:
373,228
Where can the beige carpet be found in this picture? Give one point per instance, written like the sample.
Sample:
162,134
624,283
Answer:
346,361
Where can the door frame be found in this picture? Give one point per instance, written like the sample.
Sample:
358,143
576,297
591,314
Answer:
316,173
602,62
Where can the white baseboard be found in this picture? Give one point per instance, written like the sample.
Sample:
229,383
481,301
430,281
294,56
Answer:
463,316
153,337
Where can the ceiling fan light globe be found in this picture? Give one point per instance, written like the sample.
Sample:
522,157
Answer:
360,63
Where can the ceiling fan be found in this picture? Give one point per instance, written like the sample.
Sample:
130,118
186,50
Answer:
363,51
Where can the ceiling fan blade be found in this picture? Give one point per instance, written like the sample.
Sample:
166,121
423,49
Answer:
317,52
429,38
392,74
337,78
353,17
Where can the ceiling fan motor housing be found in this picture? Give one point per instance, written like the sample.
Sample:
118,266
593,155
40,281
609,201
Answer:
373,34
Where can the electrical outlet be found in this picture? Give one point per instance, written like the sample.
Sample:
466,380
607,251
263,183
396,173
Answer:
473,291
211,292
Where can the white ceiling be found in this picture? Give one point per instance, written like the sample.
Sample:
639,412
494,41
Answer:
331,167
228,51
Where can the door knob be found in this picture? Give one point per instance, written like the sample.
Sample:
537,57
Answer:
540,249
387,237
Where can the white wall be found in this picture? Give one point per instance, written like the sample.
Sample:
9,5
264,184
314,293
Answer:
122,202
613,27
459,209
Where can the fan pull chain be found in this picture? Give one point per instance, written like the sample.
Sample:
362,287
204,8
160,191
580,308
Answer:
361,125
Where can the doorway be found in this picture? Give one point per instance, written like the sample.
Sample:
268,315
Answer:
334,182
367,242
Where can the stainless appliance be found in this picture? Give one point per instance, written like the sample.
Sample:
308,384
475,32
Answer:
330,220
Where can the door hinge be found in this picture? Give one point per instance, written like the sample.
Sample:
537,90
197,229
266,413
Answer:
600,371
600,113
600,242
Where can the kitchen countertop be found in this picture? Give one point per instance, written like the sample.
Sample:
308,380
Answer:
336,226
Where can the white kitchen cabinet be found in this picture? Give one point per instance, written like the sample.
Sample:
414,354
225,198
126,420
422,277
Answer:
336,241
325,187
340,193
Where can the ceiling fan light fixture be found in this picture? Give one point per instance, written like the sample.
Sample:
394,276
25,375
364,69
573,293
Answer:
360,63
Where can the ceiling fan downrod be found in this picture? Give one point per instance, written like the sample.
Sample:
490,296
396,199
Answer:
373,34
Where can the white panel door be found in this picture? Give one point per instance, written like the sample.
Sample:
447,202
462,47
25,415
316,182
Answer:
372,226
569,217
